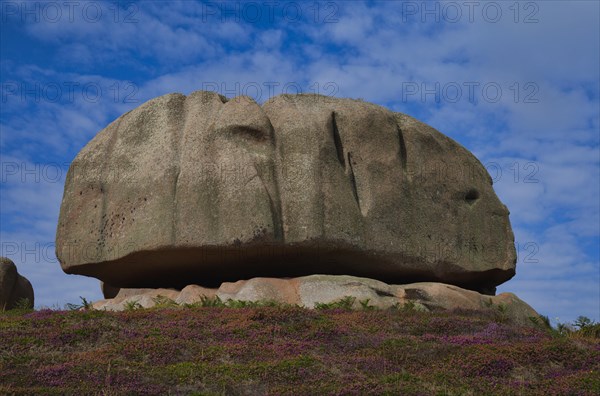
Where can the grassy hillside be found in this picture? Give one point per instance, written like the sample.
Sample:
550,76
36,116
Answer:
288,350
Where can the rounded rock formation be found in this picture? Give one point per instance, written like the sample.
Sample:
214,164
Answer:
315,290
202,190
15,290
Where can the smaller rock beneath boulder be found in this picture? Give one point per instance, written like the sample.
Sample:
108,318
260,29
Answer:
15,290
262,289
308,291
194,293
136,298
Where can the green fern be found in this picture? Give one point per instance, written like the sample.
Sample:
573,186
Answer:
132,305
164,302
582,322
23,304
365,304
215,301
345,303
85,305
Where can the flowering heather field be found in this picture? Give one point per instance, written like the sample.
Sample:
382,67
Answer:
288,350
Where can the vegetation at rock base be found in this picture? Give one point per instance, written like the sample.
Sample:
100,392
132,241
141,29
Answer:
222,348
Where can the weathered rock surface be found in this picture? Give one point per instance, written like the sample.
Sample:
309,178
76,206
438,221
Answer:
13,286
201,189
309,290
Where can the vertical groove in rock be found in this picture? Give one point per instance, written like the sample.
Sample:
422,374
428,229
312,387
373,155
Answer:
337,141
275,214
175,209
353,181
402,152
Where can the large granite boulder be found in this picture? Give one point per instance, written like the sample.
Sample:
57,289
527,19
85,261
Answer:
15,289
201,189
309,291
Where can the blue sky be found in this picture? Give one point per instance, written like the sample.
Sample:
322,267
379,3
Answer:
515,83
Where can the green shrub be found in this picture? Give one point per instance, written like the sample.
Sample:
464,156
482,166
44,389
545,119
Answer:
365,304
585,327
215,301
408,306
344,303
85,305
132,305
240,304
501,313
582,322
164,302
590,331
563,329
23,304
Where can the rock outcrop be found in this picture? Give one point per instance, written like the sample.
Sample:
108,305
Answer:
15,289
311,290
201,189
